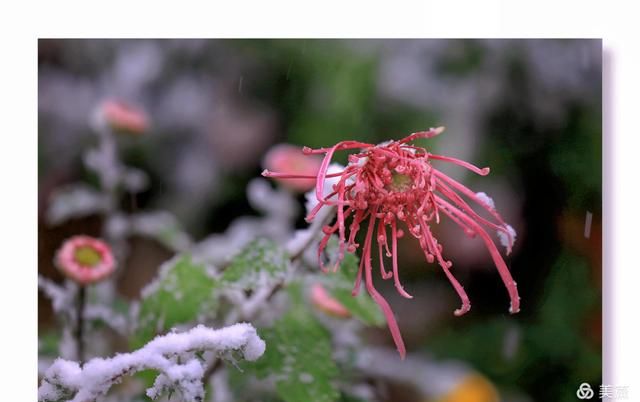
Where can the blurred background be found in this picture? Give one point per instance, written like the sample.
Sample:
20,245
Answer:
529,109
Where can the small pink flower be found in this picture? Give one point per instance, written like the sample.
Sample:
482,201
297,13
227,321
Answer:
123,117
393,184
85,259
289,158
324,302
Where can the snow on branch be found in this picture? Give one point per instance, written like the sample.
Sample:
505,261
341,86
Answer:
174,355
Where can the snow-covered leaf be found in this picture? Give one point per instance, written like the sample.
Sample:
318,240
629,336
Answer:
261,261
183,291
299,355
340,284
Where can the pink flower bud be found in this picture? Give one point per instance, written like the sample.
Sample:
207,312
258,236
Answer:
123,117
85,259
324,302
290,158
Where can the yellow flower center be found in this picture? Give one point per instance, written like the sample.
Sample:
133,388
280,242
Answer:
399,183
87,256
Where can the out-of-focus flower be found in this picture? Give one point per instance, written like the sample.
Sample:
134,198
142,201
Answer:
85,259
395,183
324,302
472,388
291,159
123,117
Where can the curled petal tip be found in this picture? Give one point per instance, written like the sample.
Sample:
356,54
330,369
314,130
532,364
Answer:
403,292
514,306
265,173
439,130
323,268
485,171
462,310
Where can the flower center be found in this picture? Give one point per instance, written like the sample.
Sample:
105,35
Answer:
87,256
399,183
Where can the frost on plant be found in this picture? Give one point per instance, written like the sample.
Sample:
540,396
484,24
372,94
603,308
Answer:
174,356
396,187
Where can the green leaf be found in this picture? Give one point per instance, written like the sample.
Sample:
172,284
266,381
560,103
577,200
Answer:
299,355
340,285
183,291
261,260
49,343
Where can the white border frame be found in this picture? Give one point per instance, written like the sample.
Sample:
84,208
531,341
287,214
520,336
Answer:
26,21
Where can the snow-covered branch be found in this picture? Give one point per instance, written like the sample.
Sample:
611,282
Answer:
174,355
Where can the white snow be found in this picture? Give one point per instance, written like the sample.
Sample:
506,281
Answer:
504,239
67,379
163,273
329,182
485,199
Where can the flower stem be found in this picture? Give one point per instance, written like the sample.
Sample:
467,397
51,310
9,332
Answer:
79,333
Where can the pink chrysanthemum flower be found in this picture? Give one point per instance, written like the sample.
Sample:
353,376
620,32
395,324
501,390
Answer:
394,184
85,259
289,158
123,117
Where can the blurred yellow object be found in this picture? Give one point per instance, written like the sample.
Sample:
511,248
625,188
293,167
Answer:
472,388
430,380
